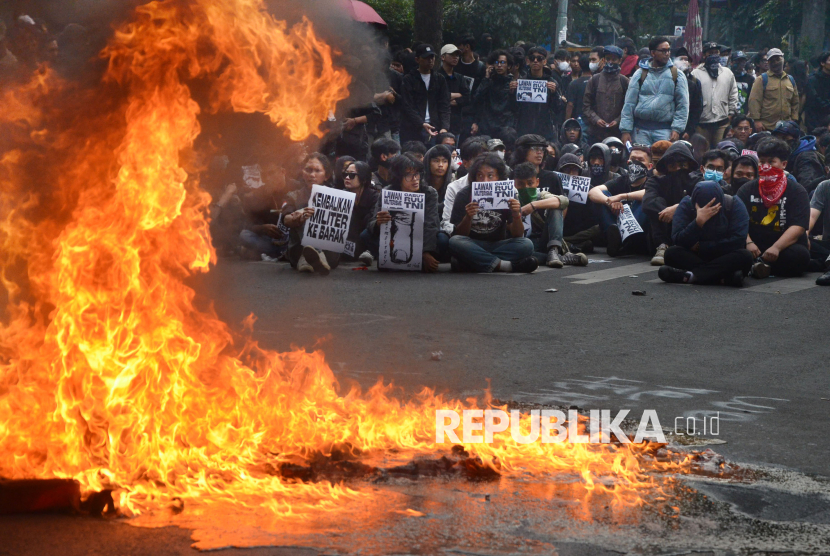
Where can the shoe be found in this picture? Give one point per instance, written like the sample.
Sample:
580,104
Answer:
366,258
317,260
455,266
823,280
760,270
737,279
553,259
659,257
588,247
671,275
614,238
303,266
527,265
575,259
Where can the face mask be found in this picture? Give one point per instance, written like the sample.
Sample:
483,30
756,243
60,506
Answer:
500,154
681,65
724,61
527,195
597,169
593,66
737,183
636,170
712,175
563,66
712,66
611,68
616,156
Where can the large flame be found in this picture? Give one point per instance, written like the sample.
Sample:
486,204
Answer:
109,374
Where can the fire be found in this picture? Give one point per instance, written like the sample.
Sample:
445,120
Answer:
108,373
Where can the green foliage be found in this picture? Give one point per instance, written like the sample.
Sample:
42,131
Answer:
399,16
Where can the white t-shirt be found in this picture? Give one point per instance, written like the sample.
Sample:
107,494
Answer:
449,200
426,77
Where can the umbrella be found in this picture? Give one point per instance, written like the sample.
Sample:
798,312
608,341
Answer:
693,35
362,12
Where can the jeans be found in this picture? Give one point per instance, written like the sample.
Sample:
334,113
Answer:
551,235
372,243
709,271
484,256
650,136
260,244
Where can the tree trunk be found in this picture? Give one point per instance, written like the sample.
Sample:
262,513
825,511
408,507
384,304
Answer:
429,15
812,28
554,14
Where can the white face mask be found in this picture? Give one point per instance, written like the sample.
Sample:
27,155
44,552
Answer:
456,164
593,66
563,66
500,154
681,65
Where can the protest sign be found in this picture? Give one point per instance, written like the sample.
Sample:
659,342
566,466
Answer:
282,228
329,225
252,176
493,195
627,224
532,90
526,224
575,187
349,248
402,239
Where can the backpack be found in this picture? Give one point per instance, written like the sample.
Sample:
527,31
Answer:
765,79
644,74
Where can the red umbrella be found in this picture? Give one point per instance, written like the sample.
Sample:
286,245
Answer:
693,35
362,12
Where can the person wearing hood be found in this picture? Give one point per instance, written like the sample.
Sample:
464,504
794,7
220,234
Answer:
720,95
495,100
779,215
805,162
539,117
618,155
581,223
774,95
425,99
709,231
627,189
682,62
743,79
817,105
678,174
571,132
604,96
657,100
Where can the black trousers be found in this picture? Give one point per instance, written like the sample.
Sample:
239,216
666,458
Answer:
709,271
819,249
792,261
660,231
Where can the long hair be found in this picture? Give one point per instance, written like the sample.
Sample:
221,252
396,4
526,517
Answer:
491,160
403,164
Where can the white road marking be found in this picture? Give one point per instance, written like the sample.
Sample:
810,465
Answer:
612,273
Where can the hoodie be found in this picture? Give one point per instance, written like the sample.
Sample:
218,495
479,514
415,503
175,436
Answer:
805,164
495,104
669,189
563,139
539,117
583,216
723,233
659,104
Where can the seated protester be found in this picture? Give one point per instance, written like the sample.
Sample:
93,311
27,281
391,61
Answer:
571,132
676,177
415,148
470,150
447,138
406,176
742,127
713,167
618,154
699,145
805,163
779,215
658,149
553,153
546,212
383,151
581,224
295,212
496,146
624,189
437,172
819,246
263,185
357,179
755,138
489,240
533,149
576,150
744,169
709,233
340,166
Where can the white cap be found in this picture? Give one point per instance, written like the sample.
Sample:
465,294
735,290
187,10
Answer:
449,49
774,52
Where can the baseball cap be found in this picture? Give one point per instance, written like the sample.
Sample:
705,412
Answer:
495,144
740,55
711,46
724,49
449,49
787,127
569,160
681,51
774,52
424,51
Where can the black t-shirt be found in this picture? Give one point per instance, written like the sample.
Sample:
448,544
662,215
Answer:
621,185
549,181
487,225
766,225
576,91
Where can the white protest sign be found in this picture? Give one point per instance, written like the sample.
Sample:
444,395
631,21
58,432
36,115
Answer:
283,228
627,224
527,225
252,176
402,239
493,195
349,248
329,225
575,187
532,90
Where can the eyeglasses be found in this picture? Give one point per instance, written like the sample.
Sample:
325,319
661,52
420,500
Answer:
537,58
664,50
500,63
350,175
411,177
537,149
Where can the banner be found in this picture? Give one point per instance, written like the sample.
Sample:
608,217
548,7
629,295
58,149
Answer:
329,225
493,195
627,224
575,187
402,239
532,90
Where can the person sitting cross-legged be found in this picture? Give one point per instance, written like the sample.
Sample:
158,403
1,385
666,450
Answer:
709,233
819,246
489,240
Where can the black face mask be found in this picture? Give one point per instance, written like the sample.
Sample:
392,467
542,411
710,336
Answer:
738,182
636,170
712,66
616,157
611,68
597,170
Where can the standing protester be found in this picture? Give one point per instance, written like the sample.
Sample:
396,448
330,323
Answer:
470,66
817,106
805,163
425,99
774,95
576,93
560,73
630,61
539,117
495,100
657,101
720,95
460,86
576,69
743,79
681,61
604,98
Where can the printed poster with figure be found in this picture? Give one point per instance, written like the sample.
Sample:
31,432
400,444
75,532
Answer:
329,225
575,187
493,195
532,90
627,224
402,239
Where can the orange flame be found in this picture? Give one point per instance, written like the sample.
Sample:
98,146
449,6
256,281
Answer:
108,374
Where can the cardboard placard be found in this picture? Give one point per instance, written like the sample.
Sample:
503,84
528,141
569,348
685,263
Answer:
532,90
402,239
627,224
493,195
575,187
329,225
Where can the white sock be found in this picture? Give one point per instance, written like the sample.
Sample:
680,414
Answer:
505,266
690,278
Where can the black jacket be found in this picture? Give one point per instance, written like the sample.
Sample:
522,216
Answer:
539,117
414,100
495,104
817,105
458,83
432,216
695,104
667,190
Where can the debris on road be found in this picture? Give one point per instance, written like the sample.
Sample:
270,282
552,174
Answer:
552,290
437,355
638,292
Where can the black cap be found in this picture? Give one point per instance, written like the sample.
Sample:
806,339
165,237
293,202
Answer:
681,51
724,49
531,140
711,46
424,51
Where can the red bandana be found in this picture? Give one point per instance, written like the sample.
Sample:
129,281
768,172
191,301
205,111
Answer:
772,182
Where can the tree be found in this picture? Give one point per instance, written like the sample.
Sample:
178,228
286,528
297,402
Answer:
429,15
812,27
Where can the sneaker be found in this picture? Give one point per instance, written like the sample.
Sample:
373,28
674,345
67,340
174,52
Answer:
823,280
366,258
528,265
303,266
737,279
553,259
575,259
317,260
760,270
614,238
671,275
588,247
659,257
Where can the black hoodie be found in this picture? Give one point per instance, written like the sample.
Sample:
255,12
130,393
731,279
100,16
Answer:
495,104
669,189
581,217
